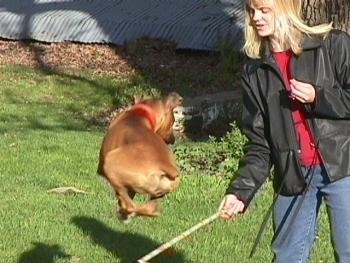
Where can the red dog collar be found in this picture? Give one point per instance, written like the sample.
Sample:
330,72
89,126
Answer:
145,111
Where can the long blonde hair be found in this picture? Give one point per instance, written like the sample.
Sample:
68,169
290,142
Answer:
289,27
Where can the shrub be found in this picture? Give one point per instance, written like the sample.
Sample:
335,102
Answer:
218,157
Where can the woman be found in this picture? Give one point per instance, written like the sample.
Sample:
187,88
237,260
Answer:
296,116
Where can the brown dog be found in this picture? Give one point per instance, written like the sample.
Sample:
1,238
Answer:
135,157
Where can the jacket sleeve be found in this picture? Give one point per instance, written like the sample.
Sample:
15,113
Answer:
254,167
333,98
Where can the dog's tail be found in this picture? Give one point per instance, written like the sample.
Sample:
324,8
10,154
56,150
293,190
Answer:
170,171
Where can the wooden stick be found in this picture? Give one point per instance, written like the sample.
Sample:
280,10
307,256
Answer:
184,234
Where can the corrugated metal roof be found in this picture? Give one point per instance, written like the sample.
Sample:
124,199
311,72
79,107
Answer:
192,24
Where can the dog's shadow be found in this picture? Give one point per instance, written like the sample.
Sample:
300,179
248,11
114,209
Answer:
126,246
41,252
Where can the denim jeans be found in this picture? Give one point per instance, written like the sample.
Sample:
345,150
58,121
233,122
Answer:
295,232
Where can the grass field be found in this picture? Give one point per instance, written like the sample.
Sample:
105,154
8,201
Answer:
47,141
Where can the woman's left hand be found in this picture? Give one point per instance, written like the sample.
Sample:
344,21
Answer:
303,92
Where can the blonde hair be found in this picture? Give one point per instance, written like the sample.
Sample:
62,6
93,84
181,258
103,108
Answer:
289,27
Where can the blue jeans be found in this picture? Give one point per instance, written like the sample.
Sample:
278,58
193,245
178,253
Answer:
295,232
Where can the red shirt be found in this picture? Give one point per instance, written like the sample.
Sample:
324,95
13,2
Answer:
308,154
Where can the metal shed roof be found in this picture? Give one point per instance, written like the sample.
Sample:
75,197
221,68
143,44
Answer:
192,24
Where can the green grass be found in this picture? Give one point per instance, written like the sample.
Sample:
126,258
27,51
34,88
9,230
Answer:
47,141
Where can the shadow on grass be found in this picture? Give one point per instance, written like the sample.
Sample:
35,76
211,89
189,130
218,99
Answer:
48,113
12,122
127,247
43,253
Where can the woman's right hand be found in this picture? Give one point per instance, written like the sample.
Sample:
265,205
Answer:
230,207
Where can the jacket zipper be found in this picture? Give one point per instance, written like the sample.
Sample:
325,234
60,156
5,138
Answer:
294,140
310,126
295,137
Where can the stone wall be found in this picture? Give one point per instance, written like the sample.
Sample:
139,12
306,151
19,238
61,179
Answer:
208,115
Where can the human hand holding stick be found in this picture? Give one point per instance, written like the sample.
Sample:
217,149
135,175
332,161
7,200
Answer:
230,207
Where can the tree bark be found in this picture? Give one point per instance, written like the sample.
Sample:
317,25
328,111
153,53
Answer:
325,11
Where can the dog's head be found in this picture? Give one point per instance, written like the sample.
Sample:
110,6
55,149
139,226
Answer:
164,114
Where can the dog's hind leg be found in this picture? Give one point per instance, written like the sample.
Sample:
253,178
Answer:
151,208
127,207
124,194
126,204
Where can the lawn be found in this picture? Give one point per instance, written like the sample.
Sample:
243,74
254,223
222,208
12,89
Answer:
49,141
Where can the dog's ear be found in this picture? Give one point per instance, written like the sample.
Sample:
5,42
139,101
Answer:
173,100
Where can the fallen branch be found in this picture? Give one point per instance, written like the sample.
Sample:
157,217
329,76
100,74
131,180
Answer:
67,190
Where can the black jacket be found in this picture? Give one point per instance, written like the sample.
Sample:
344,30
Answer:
267,118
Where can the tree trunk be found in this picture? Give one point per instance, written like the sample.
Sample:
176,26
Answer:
325,11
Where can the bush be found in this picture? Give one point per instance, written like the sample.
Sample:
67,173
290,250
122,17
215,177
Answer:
218,157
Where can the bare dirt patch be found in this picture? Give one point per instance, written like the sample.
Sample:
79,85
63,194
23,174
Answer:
159,61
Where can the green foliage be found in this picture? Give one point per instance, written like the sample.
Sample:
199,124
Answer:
217,157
